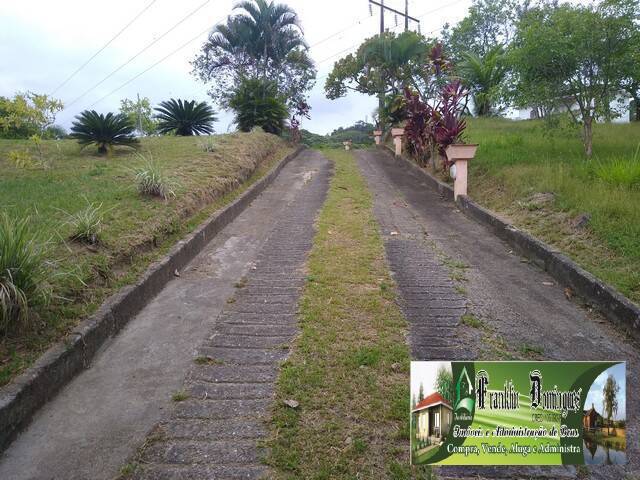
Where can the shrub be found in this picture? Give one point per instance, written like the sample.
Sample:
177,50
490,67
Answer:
185,118
152,179
86,224
24,273
105,131
257,103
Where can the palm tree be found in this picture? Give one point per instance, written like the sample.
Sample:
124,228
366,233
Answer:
484,77
185,118
105,131
272,28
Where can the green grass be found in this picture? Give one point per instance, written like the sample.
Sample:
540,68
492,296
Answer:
180,396
518,161
349,367
134,229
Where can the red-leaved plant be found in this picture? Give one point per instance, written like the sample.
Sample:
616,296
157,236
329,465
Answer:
449,124
429,128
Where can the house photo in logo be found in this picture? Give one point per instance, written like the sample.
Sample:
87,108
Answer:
433,392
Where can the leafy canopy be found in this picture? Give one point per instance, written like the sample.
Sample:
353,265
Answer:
105,131
185,118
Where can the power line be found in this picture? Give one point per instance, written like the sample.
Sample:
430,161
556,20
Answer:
103,47
137,54
151,67
355,24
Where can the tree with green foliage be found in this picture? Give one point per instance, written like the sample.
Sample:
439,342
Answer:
262,40
382,66
256,103
185,118
444,384
631,75
140,113
484,76
489,23
610,399
573,55
105,131
27,114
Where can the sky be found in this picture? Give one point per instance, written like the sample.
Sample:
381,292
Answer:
43,43
425,373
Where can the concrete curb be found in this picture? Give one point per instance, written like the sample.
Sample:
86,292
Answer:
20,399
612,304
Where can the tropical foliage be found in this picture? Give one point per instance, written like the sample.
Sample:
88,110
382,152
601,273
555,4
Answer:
262,40
257,103
185,118
485,76
105,131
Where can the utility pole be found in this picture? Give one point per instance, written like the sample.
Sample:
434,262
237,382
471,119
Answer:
407,17
404,14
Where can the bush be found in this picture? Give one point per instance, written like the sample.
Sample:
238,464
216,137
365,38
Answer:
105,131
24,273
152,180
257,103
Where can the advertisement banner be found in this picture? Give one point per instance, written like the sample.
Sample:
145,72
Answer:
518,413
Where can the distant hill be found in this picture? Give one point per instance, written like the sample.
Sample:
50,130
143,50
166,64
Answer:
360,134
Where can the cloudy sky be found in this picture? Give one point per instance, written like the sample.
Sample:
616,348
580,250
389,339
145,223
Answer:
43,43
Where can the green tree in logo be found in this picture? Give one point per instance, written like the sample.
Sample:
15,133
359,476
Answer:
444,383
610,400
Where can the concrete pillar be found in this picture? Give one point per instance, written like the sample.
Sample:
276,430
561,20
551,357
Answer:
397,134
378,136
460,154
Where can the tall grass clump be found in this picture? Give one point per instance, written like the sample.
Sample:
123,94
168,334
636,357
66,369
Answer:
86,224
24,273
621,171
152,180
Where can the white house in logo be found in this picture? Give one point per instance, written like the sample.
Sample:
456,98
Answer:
433,418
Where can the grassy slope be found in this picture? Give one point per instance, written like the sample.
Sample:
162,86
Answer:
136,229
349,367
516,160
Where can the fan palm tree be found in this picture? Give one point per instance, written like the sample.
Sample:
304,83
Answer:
105,131
185,118
484,77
